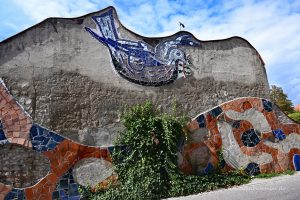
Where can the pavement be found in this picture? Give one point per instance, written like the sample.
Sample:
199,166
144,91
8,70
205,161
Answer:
285,187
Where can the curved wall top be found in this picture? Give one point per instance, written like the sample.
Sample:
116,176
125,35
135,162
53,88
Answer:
75,75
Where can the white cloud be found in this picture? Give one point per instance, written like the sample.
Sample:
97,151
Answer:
39,10
270,26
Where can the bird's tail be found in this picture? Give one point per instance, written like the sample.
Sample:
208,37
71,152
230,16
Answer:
106,29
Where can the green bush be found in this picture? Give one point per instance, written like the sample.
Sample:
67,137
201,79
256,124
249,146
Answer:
147,168
295,116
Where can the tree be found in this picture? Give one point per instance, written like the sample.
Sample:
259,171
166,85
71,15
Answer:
295,116
281,99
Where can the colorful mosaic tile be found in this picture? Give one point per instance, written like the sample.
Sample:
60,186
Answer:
245,130
215,111
279,134
4,190
250,138
66,188
201,121
252,169
43,139
296,162
3,139
16,126
15,194
268,106
248,133
15,122
140,62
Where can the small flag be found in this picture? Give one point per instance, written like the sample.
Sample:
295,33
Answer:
181,25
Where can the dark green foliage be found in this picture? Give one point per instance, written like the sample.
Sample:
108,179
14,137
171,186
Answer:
287,172
187,185
295,116
148,168
281,99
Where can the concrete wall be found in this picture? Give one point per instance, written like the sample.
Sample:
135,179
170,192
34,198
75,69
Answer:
249,134
65,79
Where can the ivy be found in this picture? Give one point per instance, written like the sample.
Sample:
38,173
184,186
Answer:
147,165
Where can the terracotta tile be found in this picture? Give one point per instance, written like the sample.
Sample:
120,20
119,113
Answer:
21,141
45,187
16,134
246,105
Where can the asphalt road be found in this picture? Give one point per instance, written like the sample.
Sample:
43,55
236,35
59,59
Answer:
279,188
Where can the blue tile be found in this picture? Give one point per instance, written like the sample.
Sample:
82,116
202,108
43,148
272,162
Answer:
55,195
2,135
250,138
208,168
279,134
296,162
62,193
45,141
15,194
42,139
34,131
66,187
57,138
201,121
252,169
268,106
74,198
216,111
111,149
64,184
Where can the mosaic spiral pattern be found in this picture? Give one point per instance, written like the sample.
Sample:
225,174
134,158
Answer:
17,127
246,131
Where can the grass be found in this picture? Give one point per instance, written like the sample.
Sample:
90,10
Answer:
287,172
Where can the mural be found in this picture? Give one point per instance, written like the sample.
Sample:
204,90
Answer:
17,127
246,134
140,62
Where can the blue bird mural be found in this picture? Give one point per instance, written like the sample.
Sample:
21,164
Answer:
140,62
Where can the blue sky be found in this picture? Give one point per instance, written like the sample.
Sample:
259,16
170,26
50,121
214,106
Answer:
271,26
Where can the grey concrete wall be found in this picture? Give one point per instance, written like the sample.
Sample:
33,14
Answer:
65,79
21,167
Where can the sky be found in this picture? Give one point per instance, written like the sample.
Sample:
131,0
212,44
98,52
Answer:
271,26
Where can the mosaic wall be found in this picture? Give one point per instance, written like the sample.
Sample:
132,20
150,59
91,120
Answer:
16,127
140,62
246,134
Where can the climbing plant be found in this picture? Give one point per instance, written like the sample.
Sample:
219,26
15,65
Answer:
146,160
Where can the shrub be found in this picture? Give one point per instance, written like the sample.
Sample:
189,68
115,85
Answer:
147,167
295,116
